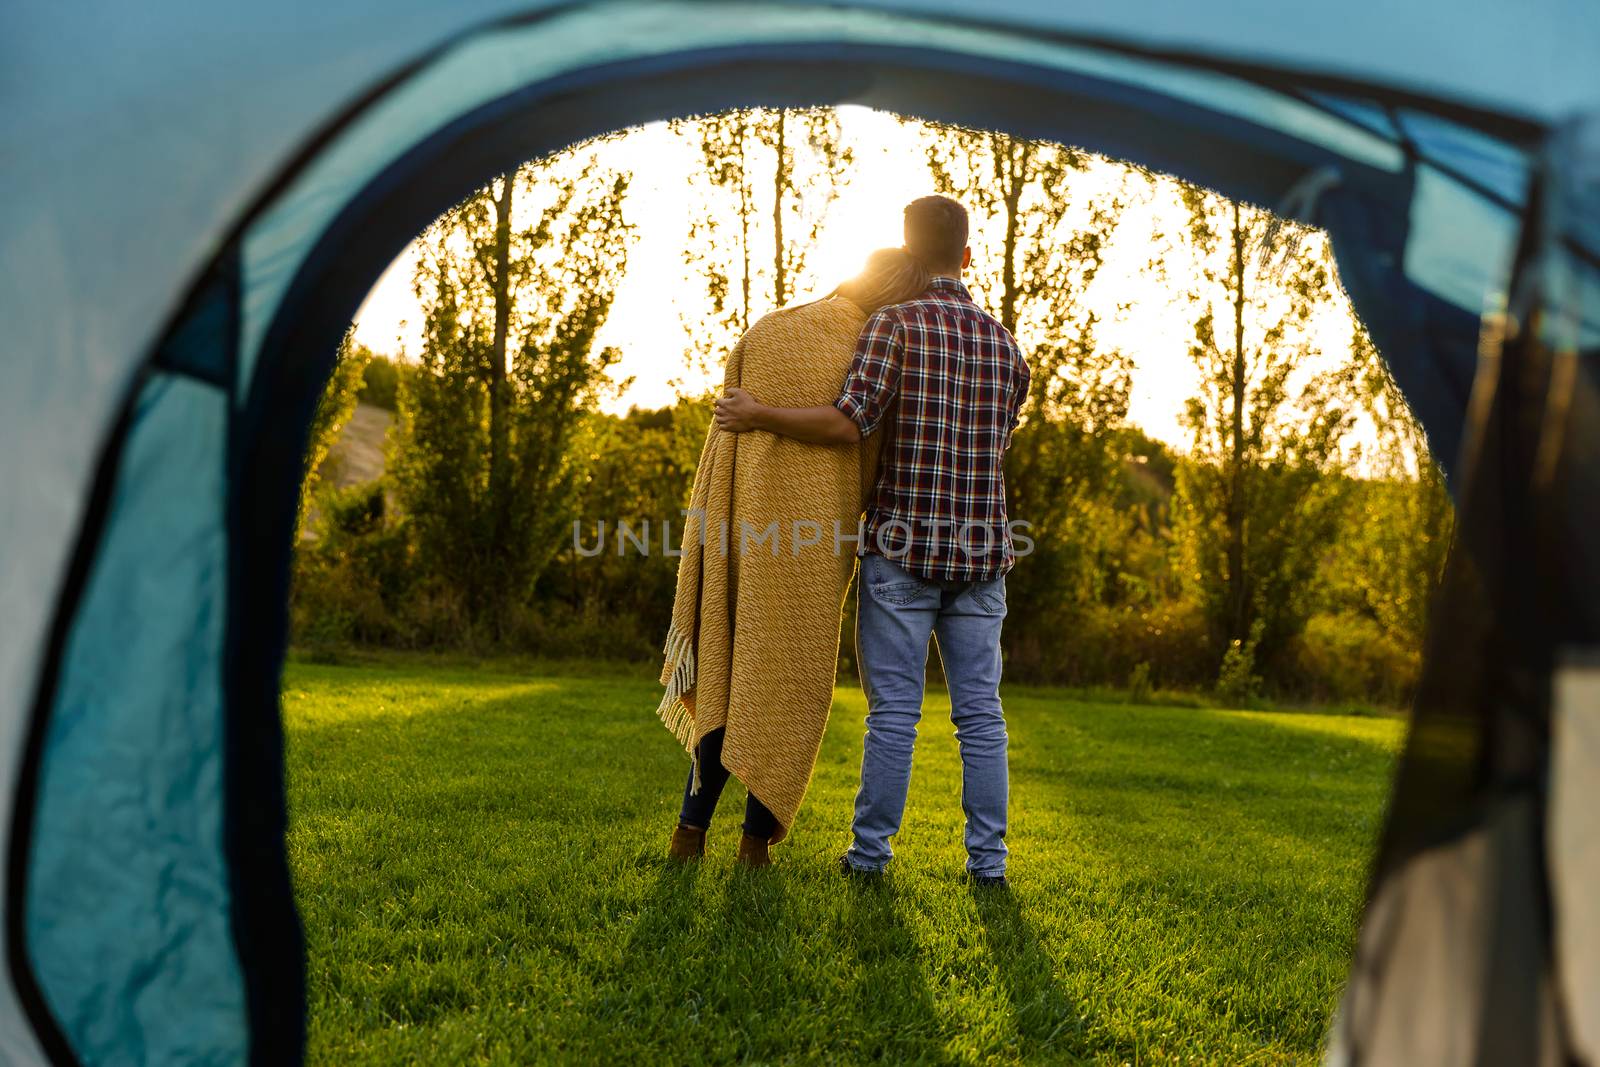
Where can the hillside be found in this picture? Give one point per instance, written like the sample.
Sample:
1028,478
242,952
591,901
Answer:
357,456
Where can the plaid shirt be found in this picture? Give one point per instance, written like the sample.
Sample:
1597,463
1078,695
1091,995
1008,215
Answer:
939,506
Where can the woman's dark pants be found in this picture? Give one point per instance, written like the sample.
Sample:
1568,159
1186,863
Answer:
699,807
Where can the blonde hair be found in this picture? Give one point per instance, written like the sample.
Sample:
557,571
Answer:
891,276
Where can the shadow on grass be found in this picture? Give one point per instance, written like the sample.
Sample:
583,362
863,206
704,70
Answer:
1046,1020
702,974
894,1017
1220,863
664,939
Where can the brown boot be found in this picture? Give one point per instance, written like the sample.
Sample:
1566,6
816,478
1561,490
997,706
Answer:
753,852
688,843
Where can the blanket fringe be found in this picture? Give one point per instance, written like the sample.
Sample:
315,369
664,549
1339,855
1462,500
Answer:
678,675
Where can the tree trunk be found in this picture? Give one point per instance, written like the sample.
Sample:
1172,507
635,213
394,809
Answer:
1238,594
744,233
1012,176
499,380
779,182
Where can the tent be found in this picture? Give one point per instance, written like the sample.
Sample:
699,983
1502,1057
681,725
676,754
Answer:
194,198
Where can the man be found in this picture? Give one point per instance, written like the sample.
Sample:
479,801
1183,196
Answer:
936,544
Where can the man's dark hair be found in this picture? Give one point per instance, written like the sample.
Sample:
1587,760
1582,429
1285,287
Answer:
936,232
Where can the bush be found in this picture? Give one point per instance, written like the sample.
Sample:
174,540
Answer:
1104,645
349,582
336,601
380,383
557,631
1238,683
1139,687
1349,657
357,583
353,513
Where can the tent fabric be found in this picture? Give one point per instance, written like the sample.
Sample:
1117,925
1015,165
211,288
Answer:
1433,917
1574,847
1459,928
1472,950
128,870
141,146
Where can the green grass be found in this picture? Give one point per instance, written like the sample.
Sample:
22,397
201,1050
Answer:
478,856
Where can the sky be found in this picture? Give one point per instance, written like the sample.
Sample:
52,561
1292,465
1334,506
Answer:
1140,314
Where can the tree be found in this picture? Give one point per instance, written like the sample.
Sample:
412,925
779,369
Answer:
767,178
1258,498
334,409
1037,243
514,284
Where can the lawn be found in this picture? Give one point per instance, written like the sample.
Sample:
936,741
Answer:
479,863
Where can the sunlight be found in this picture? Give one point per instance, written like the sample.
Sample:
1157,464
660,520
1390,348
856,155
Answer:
889,171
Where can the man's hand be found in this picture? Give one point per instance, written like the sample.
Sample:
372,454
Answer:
738,411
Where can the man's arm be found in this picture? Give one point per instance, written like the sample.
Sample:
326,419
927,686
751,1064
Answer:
822,425
1019,397
868,389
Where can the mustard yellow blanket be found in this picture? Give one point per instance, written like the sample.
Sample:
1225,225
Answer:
755,624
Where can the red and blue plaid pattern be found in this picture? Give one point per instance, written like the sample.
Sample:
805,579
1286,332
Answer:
954,380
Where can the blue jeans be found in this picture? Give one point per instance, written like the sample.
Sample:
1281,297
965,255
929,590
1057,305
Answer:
897,613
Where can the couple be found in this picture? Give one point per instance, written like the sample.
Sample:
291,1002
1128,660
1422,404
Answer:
894,396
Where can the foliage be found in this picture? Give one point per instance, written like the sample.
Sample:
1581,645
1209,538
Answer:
353,584
640,469
1104,644
380,383
1237,680
1139,685
333,410
1348,657
1396,529
766,182
513,293
477,851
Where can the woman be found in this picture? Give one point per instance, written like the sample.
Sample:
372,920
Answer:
754,640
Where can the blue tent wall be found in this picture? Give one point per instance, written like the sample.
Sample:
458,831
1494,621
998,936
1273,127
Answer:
131,888
231,476
130,902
